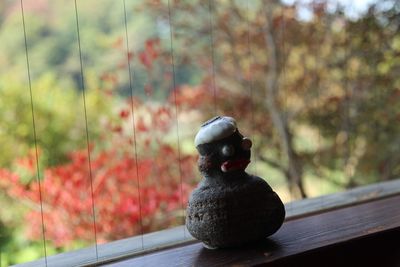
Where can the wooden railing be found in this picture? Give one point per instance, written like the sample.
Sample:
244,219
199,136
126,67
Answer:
310,224
296,237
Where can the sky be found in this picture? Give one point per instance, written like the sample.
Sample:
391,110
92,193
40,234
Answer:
353,8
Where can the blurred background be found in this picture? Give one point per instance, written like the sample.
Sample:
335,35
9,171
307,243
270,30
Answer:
314,84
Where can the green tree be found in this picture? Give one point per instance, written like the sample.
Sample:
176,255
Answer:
313,91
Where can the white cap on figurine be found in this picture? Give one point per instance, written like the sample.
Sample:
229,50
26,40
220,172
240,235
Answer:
215,129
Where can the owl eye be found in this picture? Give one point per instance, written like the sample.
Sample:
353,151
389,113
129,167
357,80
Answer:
246,143
227,150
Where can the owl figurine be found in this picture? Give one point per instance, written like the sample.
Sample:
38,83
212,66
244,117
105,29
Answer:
230,207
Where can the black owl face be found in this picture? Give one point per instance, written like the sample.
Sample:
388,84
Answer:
225,157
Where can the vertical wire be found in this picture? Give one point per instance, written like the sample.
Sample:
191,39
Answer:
211,12
351,97
347,123
34,134
130,73
283,33
250,82
86,127
176,113
317,84
317,55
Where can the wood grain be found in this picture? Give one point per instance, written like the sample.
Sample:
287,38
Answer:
295,238
132,246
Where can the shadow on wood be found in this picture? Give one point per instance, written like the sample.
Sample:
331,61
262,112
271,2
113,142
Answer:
364,233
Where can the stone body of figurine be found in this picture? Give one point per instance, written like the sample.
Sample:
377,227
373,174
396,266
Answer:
229,207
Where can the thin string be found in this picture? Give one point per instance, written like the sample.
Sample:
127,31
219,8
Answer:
316,56
211,12
34,134
317,84
283,32
347,122
86,127
130,73
250,81
176,113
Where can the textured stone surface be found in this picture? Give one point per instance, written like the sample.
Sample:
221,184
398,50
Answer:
230,207
232,213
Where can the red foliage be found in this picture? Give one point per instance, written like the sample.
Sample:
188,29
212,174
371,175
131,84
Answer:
192,97
128,193
67,201
124,113
150,53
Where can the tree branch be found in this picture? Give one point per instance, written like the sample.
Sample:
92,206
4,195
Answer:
274,164
294,175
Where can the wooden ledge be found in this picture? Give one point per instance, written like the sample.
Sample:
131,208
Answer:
171,238
296,237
